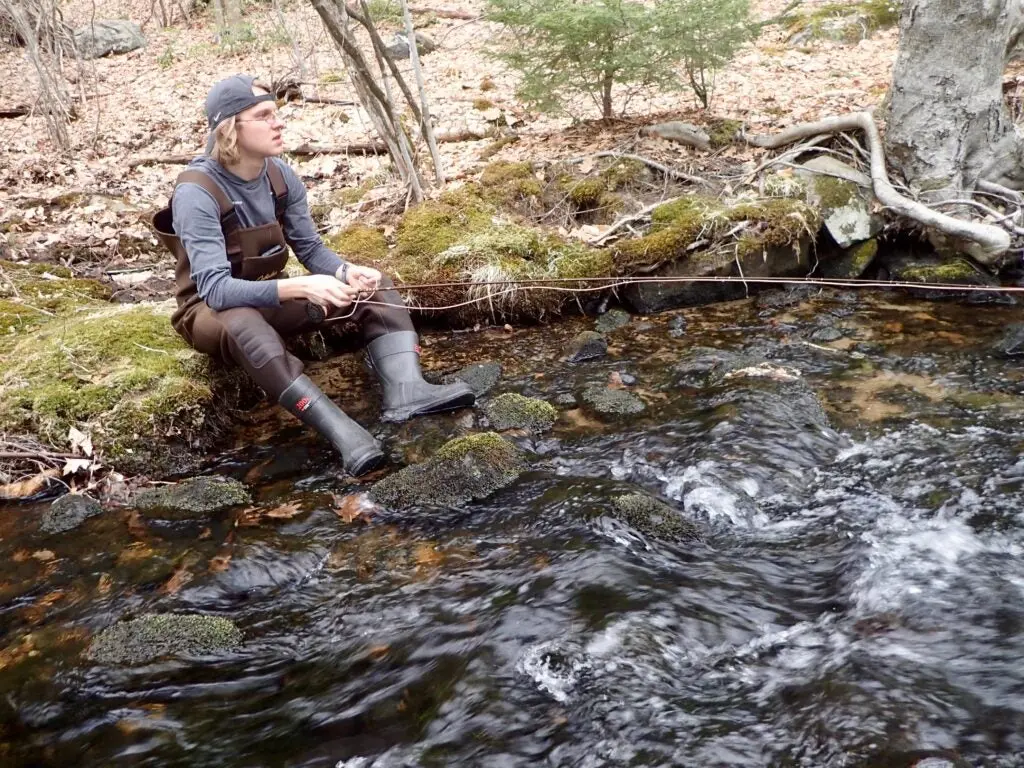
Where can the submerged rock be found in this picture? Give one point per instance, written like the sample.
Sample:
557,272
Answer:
612,401
588,345
654,518
1012,342
68,512
612,320
198,496
153,635
461,470
513,411
481,377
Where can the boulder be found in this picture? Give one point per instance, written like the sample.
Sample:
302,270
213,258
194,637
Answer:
399,47
842,194
461,470
108,37
68,512
612,402
513,411
196,496
153,636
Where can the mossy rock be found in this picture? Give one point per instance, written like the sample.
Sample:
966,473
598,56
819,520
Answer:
462,470
505,183
624,173
514,411
612,402
723,132
117,372
852,262
845,22
653,518
584,194
612,320
154,636
481,377
359,243
196,496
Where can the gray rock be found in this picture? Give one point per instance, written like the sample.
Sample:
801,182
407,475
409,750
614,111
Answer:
460,471
829,333
68,512
611,320
513,411
566,399
840,191
110,36
616,402
588,345
399,47
480,376
153,636
196,496
627,378
653,518
1011,344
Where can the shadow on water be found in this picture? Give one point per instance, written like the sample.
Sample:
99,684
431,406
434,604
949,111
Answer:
852,465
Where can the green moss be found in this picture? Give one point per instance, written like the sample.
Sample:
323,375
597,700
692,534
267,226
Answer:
501,172
776,221
623,172
653,518
514,411
784,185
723,132
956,271
482,104
153,636
48,287
461,470
584,193
862,254
359,243
833,192
429,229
614,402
505,182
196,496
119,373
876,14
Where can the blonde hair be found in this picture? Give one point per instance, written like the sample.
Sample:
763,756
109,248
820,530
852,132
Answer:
225,146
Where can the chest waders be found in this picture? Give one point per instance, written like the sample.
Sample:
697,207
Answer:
254,337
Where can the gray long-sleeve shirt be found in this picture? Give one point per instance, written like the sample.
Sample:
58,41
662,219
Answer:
197,223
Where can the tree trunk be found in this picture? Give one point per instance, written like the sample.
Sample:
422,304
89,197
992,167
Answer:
606,95
947,125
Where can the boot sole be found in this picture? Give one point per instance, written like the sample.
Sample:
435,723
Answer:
365,464
404,414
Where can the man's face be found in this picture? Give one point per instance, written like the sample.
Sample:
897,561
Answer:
259,129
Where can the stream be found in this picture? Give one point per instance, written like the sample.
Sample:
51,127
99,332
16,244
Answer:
855,598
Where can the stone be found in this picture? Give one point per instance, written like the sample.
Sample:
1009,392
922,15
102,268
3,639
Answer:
653,518
617,402
840,192
481,377
108,37
1011,344
399,47
611,320
461,470
154,636
826,334
196,496
68,512
514,411
588,345
677,327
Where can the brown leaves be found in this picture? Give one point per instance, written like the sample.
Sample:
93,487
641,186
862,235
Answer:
353,507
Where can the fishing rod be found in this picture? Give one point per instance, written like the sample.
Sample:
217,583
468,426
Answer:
318,315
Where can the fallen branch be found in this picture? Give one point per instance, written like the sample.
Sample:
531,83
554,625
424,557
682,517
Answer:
672,173
16,111
643,213
985,242
444,13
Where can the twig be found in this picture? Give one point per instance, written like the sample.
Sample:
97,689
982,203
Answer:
642,213
664,169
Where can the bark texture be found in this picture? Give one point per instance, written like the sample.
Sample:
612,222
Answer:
947,124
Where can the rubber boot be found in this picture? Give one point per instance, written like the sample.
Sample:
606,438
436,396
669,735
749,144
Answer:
395,358
360,453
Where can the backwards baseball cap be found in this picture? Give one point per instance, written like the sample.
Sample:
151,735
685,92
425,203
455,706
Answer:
227,98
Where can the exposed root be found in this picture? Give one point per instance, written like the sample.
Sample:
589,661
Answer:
985,242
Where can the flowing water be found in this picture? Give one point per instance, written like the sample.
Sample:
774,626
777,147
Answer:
857,597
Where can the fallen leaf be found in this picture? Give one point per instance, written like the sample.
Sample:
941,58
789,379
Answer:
29,487
378,652
615,381
179,578
285,511
219,563
104,584
43,555
352,507
80,441
426,554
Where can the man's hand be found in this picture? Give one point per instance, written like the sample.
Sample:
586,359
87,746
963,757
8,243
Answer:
324,290
363,279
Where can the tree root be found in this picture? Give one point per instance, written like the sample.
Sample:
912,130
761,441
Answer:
985,242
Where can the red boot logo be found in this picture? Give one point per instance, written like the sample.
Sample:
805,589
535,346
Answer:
303,404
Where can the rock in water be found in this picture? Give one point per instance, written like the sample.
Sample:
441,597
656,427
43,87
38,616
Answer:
513,411
68,512
588,345
101,38
462,470
611,320
653,518
616,402
153,636
197,496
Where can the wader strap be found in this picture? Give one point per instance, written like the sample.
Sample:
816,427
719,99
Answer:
228,216
280,189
